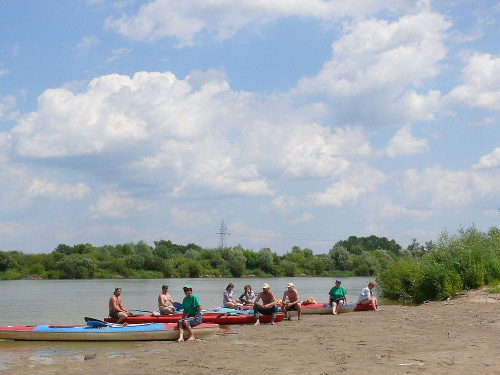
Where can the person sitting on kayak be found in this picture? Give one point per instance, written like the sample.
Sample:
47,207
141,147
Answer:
248,296
337,297
228,299
291,301
191,314
116,309
366,297
165,302
268,305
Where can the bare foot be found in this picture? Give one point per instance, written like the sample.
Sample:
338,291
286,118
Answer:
257,322
181,339
273,322
191,338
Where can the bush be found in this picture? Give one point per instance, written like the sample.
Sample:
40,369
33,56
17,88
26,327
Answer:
468,260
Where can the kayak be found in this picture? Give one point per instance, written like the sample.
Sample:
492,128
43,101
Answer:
102,332
360,307
323,308
208,317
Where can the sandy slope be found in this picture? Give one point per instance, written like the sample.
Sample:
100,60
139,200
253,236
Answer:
460,337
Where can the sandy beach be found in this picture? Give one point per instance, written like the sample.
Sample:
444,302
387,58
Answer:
461,336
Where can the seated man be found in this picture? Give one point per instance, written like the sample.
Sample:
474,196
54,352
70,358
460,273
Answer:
116,309
268,305
165,302
292,296
191,314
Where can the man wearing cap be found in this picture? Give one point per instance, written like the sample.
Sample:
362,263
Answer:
291,301
116,309
337,297
165,302
268,305
191,314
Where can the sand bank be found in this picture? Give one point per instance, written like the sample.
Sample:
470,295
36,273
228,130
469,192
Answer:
459,337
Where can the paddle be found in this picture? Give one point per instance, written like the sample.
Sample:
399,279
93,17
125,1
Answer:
178,306
140,312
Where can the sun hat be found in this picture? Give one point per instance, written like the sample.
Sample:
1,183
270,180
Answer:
338,281
265,286
164,286
187,286
371,283
289,285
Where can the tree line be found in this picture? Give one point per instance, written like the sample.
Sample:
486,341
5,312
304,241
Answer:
356,256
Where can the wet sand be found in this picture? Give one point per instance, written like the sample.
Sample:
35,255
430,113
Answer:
457,337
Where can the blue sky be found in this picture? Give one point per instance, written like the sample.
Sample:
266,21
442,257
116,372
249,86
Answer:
296,122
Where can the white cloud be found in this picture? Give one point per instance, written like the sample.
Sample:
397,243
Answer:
437,187
118,204
87,43
491,160
375,62
382,207
41,188
403,143
185,20
360,180
3,71
284,204
118,53
304,218
481,83
190,218
179,136
7,103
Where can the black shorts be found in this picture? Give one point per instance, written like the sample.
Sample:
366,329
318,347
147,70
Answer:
337,301
113,314
292,308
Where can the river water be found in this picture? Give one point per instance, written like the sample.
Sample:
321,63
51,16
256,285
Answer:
31,302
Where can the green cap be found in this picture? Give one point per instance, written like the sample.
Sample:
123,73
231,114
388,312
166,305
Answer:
187,286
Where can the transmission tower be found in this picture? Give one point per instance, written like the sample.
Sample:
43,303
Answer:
223,233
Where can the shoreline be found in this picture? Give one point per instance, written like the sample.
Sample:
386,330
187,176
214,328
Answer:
460,336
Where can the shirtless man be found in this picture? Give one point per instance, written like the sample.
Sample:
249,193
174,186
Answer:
165,302
116,309
291,301
268,305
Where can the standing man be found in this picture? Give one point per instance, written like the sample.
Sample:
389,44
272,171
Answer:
268,305
337,297
291,301
165,302
116,309
191,314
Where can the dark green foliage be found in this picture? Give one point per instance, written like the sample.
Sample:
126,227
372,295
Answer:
465,261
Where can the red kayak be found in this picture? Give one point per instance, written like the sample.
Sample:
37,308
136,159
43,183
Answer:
217,318
360,307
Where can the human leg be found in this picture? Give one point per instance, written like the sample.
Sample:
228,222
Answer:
122,317
334,307
181,330
339,305
299,310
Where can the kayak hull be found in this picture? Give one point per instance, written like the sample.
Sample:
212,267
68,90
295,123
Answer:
147,332
215,318
322,308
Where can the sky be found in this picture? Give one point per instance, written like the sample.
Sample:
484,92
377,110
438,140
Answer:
297,122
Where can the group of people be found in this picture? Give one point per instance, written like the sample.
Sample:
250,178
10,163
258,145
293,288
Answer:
264,303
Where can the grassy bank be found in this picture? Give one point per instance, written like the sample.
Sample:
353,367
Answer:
464,261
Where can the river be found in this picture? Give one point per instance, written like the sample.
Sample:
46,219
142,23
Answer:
31,302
